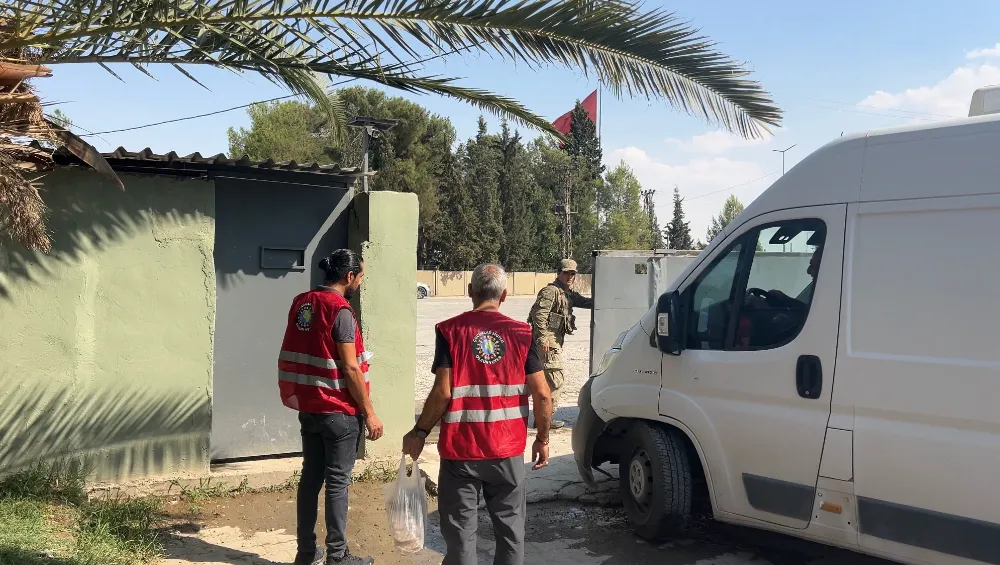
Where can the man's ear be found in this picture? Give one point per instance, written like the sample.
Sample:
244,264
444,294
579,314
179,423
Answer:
469,290
503,296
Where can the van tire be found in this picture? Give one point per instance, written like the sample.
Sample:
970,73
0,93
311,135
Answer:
655,478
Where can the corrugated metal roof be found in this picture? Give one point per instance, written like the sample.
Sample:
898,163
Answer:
163,162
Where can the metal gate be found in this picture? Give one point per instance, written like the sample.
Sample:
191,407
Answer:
626,284
269,236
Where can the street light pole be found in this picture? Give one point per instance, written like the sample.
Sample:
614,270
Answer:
783,151
370,128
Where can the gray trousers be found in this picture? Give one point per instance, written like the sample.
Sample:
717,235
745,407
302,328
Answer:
501,482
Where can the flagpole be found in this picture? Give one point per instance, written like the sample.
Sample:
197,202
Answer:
600,114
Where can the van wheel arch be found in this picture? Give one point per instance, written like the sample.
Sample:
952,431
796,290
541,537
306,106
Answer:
608,449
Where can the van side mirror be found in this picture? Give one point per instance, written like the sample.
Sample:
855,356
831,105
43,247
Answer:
670,324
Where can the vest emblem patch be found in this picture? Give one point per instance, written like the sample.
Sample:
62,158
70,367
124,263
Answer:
304,317
488,347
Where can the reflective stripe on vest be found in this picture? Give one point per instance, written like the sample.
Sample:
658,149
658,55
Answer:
486,416
305,359
313,380
492,392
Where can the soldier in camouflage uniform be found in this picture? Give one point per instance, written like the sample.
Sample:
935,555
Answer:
551,320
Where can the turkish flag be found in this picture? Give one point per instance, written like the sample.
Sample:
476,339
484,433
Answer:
564,121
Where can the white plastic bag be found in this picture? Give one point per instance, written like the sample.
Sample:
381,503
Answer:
406,507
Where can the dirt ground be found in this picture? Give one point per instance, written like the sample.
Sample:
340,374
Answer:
259,529
557,534
367,530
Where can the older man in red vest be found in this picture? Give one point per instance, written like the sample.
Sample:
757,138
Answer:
323,373
485,365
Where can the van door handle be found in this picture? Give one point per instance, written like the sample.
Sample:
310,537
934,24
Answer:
809,377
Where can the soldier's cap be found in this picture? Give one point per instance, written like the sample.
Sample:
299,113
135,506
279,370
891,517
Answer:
567,265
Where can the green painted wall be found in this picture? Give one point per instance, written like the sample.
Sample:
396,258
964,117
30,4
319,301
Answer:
384,229
106,342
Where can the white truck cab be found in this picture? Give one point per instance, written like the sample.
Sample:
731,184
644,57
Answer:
829,367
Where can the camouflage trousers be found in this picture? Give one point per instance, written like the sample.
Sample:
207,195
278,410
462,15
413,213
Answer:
553,366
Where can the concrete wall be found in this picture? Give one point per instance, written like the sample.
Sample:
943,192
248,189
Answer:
449,283
456,283
524,283
383,227
426,277
106,348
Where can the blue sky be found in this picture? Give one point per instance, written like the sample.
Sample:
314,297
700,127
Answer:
832,67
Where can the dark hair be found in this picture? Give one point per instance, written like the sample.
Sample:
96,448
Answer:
339,263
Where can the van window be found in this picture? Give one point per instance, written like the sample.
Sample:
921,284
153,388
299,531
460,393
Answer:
711,305
779,287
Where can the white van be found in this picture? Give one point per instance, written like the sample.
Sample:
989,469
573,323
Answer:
829,367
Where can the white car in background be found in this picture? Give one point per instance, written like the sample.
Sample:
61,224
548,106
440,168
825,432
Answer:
423,291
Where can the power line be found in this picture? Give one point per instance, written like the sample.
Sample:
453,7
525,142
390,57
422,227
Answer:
207,114
771,174
287,96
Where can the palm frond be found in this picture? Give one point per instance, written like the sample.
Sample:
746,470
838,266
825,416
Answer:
633,52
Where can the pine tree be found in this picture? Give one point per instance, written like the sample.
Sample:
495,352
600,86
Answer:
517,188
455,244
730,209
655,233
624,223
586,172
482,172
549,165
678,231
582,143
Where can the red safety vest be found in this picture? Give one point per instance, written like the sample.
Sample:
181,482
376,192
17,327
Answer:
309,378
487,417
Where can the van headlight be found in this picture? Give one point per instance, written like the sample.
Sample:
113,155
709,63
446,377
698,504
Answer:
609,357
610,354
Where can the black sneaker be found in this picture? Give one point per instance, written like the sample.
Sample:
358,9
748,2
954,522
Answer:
317,557
349,559
557,424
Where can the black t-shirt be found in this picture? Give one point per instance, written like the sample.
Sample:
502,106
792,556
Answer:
442,356
344,324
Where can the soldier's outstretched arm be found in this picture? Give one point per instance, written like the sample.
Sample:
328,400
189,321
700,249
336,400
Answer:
580,301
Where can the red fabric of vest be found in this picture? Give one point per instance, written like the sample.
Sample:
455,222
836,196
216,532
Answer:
487,417
309,378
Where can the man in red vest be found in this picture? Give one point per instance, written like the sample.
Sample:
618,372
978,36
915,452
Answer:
323,373
485,365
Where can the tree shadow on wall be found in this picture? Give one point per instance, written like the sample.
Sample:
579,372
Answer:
121,431
86,216
452,276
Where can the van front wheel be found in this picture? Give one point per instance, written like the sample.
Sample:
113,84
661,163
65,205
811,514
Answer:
655,477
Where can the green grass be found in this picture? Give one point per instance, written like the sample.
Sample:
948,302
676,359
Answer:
381,472
45,518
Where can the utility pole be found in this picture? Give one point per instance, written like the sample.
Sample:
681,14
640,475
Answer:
564,208
647,199
370,128
568,217
783,151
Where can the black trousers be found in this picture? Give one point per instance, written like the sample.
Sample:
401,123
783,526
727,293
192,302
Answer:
329,449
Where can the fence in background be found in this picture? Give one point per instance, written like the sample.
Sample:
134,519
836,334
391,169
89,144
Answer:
456,283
